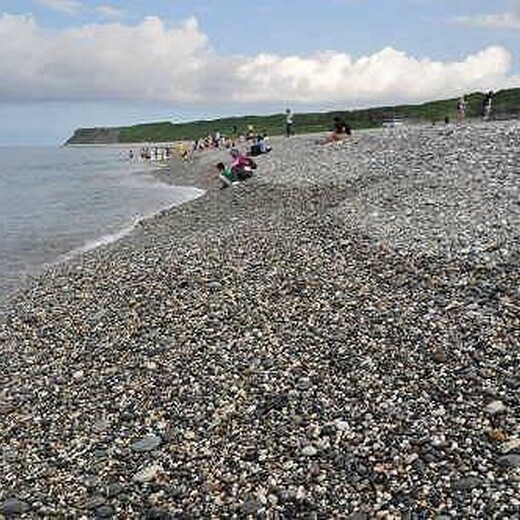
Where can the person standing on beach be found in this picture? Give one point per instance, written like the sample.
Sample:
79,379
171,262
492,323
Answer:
461,109
289,122
487,106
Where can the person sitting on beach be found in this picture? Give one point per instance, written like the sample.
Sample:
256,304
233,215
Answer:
340,130
241,166
226,175
261,146
185,152
250,132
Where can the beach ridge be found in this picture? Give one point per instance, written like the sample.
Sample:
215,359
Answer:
336,336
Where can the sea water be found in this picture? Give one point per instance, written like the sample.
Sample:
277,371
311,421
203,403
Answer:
59,201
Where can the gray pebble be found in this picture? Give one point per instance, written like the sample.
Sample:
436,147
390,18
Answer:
147,443
509,461
467,483
105,511
251,507
14,506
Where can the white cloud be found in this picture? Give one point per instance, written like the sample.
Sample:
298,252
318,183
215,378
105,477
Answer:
509,20
386,75
109,12
153,62
64,6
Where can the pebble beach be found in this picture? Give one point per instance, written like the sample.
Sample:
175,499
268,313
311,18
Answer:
336,337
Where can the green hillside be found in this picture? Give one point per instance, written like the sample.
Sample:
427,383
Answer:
506,103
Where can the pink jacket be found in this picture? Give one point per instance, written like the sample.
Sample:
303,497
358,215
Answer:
240,161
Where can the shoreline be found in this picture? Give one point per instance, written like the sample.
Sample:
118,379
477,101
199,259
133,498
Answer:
136,171
336,336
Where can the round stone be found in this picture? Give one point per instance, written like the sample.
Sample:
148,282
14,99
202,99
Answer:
341,425
511,445
146,443
13,506
309,451
147,474
509,461
467,483
105,511
250,507
495,407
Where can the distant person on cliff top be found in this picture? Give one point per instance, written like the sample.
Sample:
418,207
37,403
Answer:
487,106
289,123
461,109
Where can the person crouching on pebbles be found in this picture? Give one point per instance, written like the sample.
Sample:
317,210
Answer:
240,169
226,175
241,166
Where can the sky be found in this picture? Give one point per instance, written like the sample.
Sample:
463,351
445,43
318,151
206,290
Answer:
66,64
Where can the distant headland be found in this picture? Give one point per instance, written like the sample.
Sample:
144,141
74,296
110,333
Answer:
506,104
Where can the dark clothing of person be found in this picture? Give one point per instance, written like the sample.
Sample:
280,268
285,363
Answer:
242,173
259,147
341,127
289,122
256,150
242,167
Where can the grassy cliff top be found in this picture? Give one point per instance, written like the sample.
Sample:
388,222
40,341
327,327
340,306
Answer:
506,103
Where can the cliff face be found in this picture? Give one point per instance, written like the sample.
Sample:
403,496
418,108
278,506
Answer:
94,136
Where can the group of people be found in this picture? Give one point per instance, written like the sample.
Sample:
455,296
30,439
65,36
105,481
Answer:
154,153
242,165
260,145
213,140
217,140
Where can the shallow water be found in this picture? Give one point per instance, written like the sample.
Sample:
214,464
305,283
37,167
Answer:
55,202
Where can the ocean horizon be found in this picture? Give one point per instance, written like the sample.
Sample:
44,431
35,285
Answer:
57,202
